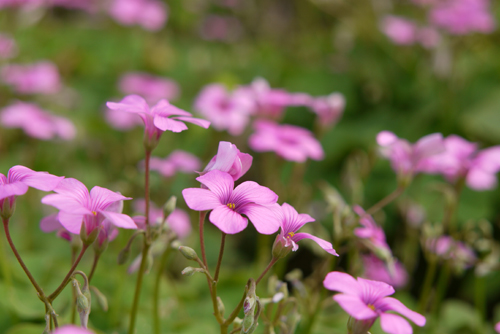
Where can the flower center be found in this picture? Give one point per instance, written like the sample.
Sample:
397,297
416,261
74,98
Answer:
231,206
290,235
95,213
371,306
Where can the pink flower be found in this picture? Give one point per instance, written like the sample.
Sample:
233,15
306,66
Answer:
77,206
428,37
158,118
269,102
497,327
38,78
408,158
226,111
393,273
71,329
122,121
366,300
50,224
17,182
152,88
229,205
149,14
372,235
461,17
448,248
8,47
291,221
399,30
177,161
230,160
328,108
220,28
290,142
36,122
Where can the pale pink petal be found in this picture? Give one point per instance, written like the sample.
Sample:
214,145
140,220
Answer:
11,189
386,138
50,223
220,183
101,198
392,304
480,180
250,191
322,243
227,220
374,290
354,306
180,223
71,329
66,203
198,121
394,324
342,282
71,222
119,219
168,124
131,103
226,154
200,199
262,218
74,188
497,327
429,145
164,109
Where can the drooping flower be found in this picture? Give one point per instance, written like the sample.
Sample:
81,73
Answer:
372,235
366,300
177,161
38,78
228,204
407,158
230,160
290,142
227,111
8,47
36,122
378,270
149,14
328,108
291,221
152,88
17,182
161,117
77,206
71,329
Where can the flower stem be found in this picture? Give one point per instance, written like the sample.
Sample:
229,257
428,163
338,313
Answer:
97,256
273,261
73,293
146,192
66,279
444,277
203,214
219,260
426,290
386,200
156,291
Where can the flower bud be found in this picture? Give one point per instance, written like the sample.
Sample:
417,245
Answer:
190,271
124,255
83,304
355,326
188,253
7,207
169,206
175,244
101,298
280,249
88,238
220,307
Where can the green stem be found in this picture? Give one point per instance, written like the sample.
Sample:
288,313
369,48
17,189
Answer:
202,238
66,279
480,296
385,201
271,263
426,289
73,293
219,260
97,256
443,281
156,291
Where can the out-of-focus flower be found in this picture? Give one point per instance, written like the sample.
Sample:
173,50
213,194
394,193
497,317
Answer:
291,221
328,108
17,182
290,142
87,5
497,327
8,47
177,161
161,117
35,122
461,17
77,206
71,329
378,270
220,28
456,251
372,235
461,159
428,37
226,111
228,204
149,14
407,158
152,88
399,30
270,102
122,121
38,78
50,224
230,160
366,300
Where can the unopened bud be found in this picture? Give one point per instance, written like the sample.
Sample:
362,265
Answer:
355,326
280,249
190,271
220,307
248,304
188,253
7,207
83,304
175,244
101,298
169,206
124,255
247,323
88,238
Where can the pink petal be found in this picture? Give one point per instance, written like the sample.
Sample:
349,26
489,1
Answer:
198,121
250,191
480,180
131,103
71,222
429,145
180,223
101,198
392,304
227,220
226,154
220,183
386,138
164,109
73,187
394,324
50,223
119,219
200,199
66,203
71,329
262,218
355,307
322,243
11,189
168,124
39,180
374,290
342,282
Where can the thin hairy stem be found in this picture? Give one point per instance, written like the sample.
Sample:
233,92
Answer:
97,256
271,263
385,201
156,291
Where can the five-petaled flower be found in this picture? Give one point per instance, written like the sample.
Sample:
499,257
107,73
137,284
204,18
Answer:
17,182
228,204
77,206
291,221
366,300
161,117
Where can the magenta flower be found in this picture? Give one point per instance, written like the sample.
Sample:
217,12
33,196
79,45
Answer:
8,47
269,102
228,204
152,88
408,158
291,221
38,78
497,327
328,108
161,117
367,300
372,235
230,160
71,329
50,224
226,111
290,142
462,17
378,270
177,161
399,30
122,121
17,182
77,206
149,14
36,122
